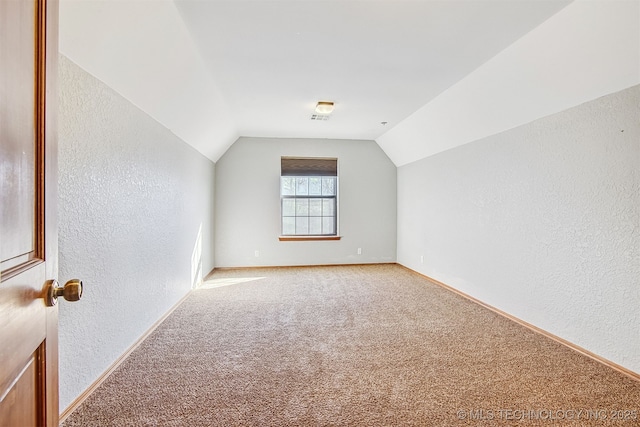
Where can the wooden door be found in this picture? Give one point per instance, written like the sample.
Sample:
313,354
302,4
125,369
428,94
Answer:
28,235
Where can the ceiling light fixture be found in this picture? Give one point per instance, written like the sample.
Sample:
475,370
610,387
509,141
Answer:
324,107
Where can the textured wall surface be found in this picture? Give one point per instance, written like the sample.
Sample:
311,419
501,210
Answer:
541,221
587,50
248,204
135,201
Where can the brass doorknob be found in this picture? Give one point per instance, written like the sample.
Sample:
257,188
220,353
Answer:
71,291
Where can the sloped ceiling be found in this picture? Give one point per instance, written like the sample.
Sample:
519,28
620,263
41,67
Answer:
439,73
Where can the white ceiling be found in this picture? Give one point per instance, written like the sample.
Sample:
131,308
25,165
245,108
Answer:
378,60
212,71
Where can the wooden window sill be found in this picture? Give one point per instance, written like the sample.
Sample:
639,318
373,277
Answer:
307,238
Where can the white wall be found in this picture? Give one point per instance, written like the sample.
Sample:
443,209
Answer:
133,200
541,221
144,51
589,49
247,215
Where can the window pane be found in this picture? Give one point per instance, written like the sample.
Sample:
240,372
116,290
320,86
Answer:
288,225
309,205
315,186
288,186
328,225
315,207
328,207
315,225
288,207
328,185
302,185
302,207
302,225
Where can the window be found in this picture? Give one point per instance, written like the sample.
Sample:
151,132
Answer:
308,196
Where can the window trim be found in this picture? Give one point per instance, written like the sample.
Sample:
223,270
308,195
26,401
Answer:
302,238
319,167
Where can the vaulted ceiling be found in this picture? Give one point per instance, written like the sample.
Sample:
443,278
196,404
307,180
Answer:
417,76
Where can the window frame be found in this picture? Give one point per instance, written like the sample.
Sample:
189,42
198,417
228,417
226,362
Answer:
317,169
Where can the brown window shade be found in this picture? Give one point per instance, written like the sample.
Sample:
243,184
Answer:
308,167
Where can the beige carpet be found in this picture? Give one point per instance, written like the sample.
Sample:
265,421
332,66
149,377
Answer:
351,346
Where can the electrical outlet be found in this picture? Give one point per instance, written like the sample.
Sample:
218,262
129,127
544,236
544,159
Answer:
359,251
257,253
421,259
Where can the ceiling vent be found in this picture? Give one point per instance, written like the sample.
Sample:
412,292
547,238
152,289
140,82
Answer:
322,117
